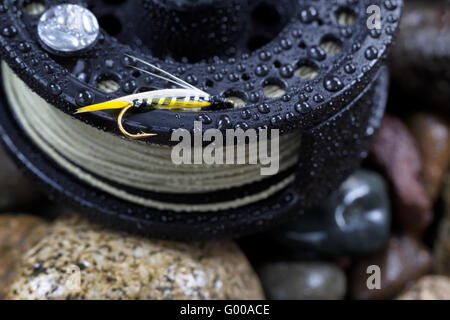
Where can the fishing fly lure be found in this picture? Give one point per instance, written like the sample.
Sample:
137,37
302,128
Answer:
185,97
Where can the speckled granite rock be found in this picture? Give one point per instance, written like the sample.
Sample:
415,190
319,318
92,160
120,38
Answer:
81,260
428,288
15,190
441,254
17,234
303,281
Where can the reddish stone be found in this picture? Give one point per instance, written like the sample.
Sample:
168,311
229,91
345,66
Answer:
396,153
402,262
432,134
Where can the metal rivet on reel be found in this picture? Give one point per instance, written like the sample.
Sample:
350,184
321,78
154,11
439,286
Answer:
68,28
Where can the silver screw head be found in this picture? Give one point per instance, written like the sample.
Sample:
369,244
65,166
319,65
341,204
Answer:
68,28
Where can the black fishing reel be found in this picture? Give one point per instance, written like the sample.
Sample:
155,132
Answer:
313,69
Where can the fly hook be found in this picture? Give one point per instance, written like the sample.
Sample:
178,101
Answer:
185,97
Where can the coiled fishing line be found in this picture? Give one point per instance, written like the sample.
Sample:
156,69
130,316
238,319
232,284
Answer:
97,157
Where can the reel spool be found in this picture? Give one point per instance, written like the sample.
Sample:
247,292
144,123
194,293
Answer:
312,69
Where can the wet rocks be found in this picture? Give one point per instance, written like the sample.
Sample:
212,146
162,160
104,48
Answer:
442,248
428,288
355,220
15,190
422,51
303,281
17,234
404,260
395,152
441,255
432,134
80,260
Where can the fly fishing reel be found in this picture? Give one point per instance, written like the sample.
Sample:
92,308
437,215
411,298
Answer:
313,69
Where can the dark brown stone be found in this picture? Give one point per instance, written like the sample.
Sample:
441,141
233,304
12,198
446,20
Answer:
15,190
421,53
432,134
404,260
442,248
396,153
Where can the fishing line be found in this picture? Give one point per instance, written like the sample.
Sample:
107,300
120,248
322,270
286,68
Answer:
83,150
